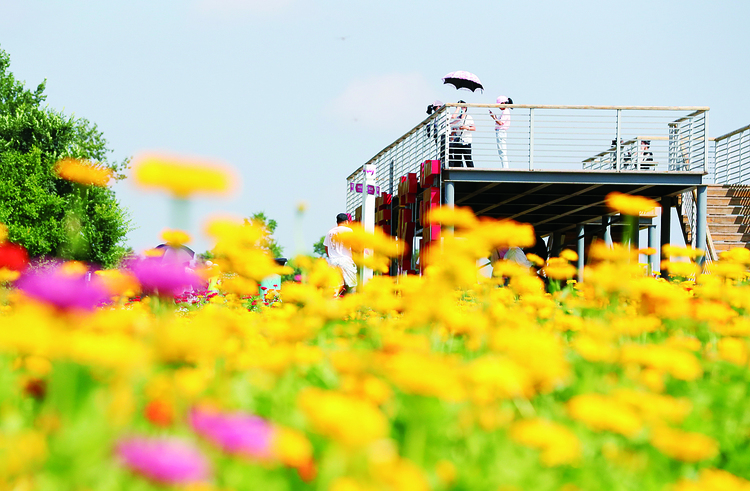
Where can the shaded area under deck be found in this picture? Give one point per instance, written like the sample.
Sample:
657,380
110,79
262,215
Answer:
556,201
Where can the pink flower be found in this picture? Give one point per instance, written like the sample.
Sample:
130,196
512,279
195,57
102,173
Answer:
164,277
63,290
164,460
235,433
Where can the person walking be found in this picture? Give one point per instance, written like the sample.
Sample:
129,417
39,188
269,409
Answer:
502,123
459,143
340,256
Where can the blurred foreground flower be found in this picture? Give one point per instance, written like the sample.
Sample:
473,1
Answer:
630,205
183,177
164,460
163,276
557,443
462,217
713,480
63,289
175,238
13,260
235,433
84,172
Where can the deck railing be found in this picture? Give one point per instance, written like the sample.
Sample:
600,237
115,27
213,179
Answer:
732,158
543,137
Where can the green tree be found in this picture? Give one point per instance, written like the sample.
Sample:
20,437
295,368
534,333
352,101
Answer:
270,225
318,248
33,200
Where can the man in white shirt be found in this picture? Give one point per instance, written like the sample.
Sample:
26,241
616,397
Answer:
340,256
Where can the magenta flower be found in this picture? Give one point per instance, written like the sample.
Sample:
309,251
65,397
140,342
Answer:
164,460
164,277
235,433
63,290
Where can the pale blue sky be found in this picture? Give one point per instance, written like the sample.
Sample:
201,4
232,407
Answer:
296,94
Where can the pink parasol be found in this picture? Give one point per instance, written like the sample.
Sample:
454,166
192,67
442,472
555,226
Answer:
463,80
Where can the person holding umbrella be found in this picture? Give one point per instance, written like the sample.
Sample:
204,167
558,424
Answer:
502,123
459,142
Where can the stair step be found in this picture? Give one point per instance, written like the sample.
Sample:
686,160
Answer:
728,219
738,191
729,228
728,216
731,237
725,246
714,190
727,210
728,200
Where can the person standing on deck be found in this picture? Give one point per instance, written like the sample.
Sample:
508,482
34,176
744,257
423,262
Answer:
340,256
459,143
502,123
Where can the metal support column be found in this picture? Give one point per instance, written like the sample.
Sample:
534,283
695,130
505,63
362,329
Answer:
581,243
531,138
652,245
618,148
557,243
450,199
607,224
368,212
666,227
701,206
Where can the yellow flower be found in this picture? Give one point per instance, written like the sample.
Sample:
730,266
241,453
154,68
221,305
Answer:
377,241
654,407
737,255
684,342
600,413
559,269
84,172
424,374
636,325
670,250
21,452
541,353
617,253
733,350
594,350
175,238
445,471
569,255
8,275
677,362
683,269
490,378
630,205
462,217
348,484
535,260
291,447
3,233
38,365
492,234
559,445
713,480
683,445
348,420
118,282
183,177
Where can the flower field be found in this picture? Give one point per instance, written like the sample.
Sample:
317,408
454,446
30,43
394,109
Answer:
117,380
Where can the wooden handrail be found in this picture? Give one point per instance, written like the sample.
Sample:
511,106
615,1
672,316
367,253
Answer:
732,133
696,109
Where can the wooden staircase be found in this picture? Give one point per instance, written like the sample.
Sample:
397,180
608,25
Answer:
728,216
